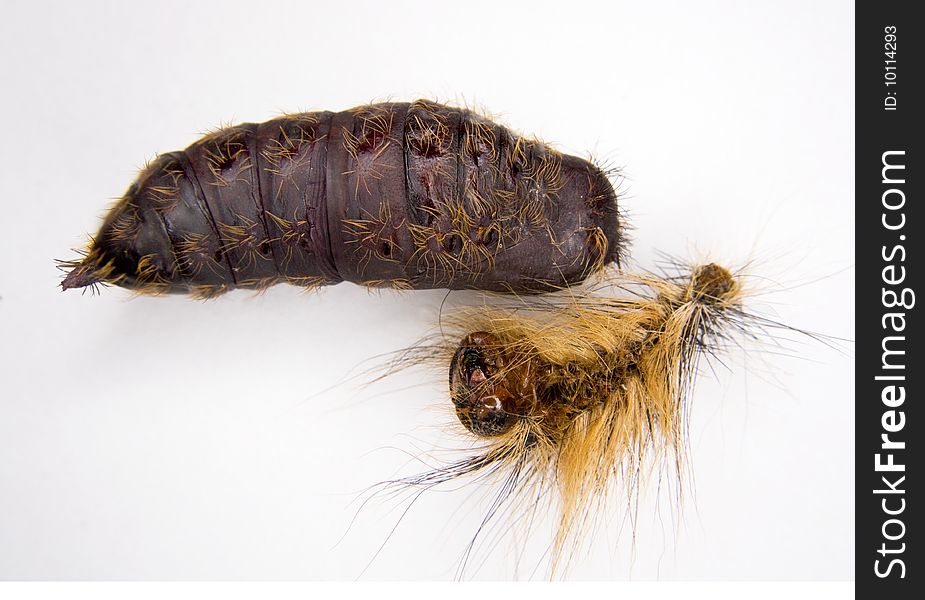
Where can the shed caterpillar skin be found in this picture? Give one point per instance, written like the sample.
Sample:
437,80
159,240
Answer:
409,196
576,393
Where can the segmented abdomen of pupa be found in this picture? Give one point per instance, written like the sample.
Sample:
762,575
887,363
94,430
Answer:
415,195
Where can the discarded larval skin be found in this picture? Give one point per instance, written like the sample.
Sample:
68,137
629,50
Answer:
405,195
580,394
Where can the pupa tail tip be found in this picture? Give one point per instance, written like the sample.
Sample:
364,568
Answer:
80,276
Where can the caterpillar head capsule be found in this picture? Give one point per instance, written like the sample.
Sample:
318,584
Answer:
489,394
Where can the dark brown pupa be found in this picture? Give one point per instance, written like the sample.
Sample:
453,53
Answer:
410,196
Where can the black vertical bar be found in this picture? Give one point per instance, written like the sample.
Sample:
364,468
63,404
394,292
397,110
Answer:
890,369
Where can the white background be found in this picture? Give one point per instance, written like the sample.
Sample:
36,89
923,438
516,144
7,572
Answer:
161,438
